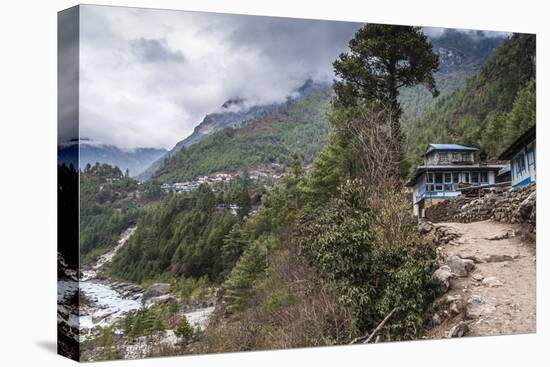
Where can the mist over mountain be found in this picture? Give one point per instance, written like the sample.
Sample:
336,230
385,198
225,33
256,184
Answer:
461,55
235,113
135,160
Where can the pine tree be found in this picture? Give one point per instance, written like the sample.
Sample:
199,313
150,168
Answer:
383,59
523,113
184,330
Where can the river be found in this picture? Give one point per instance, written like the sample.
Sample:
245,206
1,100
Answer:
106,300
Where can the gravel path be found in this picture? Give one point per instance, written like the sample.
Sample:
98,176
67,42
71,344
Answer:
504,278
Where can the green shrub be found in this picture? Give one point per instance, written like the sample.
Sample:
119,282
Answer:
375,270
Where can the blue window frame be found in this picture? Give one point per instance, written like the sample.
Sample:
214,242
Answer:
519,164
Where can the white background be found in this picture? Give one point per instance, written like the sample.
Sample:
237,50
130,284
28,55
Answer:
28,182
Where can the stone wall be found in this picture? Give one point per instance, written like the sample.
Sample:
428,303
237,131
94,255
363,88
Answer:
511,206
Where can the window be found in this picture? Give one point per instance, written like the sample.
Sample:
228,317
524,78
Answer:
430,178
438,177
456,177
443,157
483,177
447,177
466,157
531,157
438,187
474,177
466,177
520,165
456,156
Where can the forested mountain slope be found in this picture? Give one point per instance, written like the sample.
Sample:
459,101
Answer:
490,111
460,57
236,113
299,127
107,207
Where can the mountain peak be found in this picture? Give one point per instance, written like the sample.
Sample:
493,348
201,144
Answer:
233,102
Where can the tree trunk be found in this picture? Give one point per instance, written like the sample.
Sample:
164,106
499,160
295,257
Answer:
395,127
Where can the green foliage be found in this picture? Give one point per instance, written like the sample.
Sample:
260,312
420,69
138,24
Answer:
180,236
523,113
329,169
255,238
191,288
147,321
416,100
382,59
184,330
107,207
239,284
301,127
108,348
375,273
461,59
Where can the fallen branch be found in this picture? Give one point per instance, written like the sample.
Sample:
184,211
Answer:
367,338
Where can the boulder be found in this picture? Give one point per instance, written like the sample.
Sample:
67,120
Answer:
492,282
459,266
454,304
477,277
497,258
156,290
502,235
442,278
477,306
458,330
527,206
160,300
445,234
425,227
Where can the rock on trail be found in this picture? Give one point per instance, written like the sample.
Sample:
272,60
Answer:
489,277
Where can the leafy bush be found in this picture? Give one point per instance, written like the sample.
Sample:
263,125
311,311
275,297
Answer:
184,330
191,288
376,268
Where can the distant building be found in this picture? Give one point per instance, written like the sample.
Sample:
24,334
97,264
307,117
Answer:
522,156
166,187
446,169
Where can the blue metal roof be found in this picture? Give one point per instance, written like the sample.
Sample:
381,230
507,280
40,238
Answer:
450,147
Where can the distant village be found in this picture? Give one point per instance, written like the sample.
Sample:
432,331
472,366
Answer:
267,173
188,186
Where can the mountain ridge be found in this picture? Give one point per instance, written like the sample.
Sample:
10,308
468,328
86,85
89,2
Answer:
234,114
135,160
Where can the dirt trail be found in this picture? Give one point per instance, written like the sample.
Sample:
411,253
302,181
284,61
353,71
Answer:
510,299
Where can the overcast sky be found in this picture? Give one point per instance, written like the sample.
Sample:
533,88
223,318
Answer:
148,77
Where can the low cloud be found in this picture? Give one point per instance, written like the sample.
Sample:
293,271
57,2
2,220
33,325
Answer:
148,77
155,50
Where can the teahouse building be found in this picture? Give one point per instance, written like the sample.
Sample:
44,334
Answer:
522,156
446,169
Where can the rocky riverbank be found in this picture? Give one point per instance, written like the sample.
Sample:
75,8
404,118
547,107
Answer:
90,303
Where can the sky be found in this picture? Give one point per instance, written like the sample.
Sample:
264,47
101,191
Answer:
148,77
